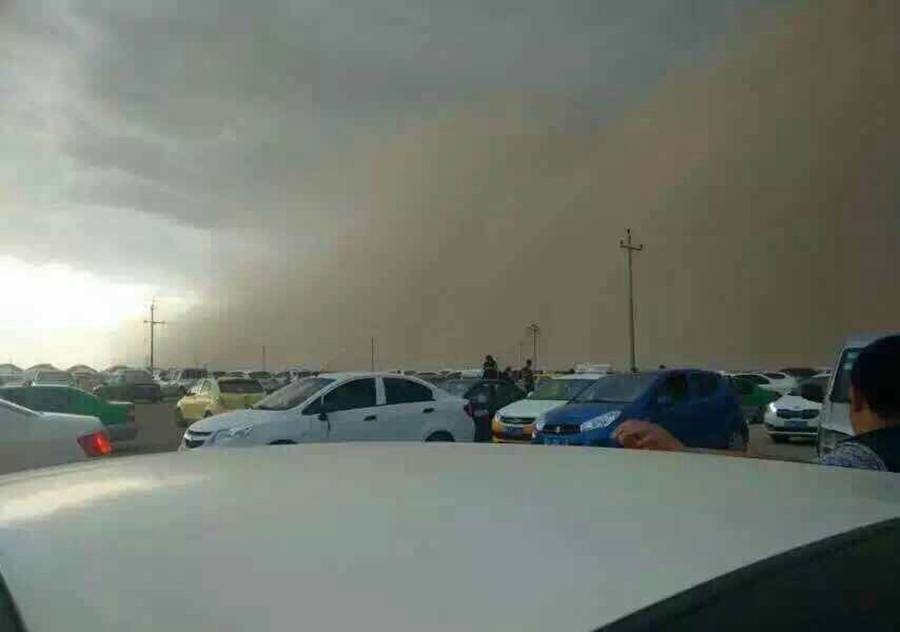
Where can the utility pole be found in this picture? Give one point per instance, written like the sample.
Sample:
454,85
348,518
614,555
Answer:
630,248
373,354
534,331
153,323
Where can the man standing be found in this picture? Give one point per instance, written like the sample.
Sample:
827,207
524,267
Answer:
489,368
874,414
528,376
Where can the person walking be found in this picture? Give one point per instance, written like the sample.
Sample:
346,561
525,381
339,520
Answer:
874,415
489,368
528,376
507,375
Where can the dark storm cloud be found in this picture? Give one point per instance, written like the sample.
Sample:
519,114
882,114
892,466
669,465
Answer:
438,174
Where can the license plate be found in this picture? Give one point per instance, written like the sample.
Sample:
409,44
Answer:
796,423
513,431
556,441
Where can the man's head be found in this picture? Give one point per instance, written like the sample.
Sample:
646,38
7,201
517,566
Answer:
528,363
875,386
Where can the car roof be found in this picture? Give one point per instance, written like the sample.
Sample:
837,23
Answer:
402,532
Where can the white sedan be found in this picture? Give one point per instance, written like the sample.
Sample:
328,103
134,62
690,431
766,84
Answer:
434,537
30,439
781,383
341,407
797,413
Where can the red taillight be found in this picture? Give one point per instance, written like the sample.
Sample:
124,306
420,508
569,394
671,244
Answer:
95,444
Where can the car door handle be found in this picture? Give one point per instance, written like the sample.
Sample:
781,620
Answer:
428,410
370,418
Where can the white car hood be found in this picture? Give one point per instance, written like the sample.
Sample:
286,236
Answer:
795,402
236,418
530,407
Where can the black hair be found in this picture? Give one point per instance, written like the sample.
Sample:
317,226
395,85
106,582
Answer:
876,376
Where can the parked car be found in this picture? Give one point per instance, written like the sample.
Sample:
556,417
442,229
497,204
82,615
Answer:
773,381
213,396
30,439
291,375
834,420
86,380
353,537
753,399
485,398
129,386
341,407
797,413
266,380
800,373
514,423
698,407
183,379
117,417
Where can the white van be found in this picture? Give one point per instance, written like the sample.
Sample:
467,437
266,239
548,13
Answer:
834,420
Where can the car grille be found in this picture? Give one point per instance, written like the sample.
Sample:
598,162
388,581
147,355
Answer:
194,443
560,429
193,439
797,414
523,421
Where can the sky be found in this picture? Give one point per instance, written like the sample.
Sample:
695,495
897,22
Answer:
305,176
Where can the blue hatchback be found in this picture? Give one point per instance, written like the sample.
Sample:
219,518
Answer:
697,407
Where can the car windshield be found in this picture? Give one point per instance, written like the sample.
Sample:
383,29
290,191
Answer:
841,391
237,385
816,381
293,394
759,380
560,390
619,389
458,387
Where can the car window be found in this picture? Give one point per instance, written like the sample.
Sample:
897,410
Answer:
841,391
51,399
759,380
775,376
458,387
293,394
619,388
400,391
703,385
204,387
238,385
355,394
676,387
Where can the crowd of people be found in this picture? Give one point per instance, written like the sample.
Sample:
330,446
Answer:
490,371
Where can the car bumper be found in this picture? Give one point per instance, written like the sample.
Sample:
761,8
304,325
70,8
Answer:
792,431
511,433
598,438
122,432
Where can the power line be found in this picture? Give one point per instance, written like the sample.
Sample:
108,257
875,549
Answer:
153,323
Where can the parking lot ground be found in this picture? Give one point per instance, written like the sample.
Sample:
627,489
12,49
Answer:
157,433
793,450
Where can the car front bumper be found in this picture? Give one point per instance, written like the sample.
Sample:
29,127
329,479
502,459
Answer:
600,437
779,427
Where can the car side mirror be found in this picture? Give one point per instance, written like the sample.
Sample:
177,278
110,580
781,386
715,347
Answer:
665,401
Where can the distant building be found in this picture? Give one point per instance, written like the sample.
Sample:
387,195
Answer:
10,370
43,367
81,368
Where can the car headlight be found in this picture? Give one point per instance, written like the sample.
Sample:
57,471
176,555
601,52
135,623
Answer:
600,421
772,408
230,434
539,422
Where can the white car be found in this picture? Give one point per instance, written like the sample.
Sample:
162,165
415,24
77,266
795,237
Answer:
181,380
771,380
797,413
413,537
514,423
341,407
30,439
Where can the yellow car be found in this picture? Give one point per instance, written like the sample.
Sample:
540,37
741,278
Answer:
211,396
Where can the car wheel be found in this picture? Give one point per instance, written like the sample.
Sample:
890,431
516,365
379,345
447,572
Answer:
283,442
440,436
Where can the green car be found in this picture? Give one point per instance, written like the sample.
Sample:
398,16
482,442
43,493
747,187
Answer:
753,398
118,417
